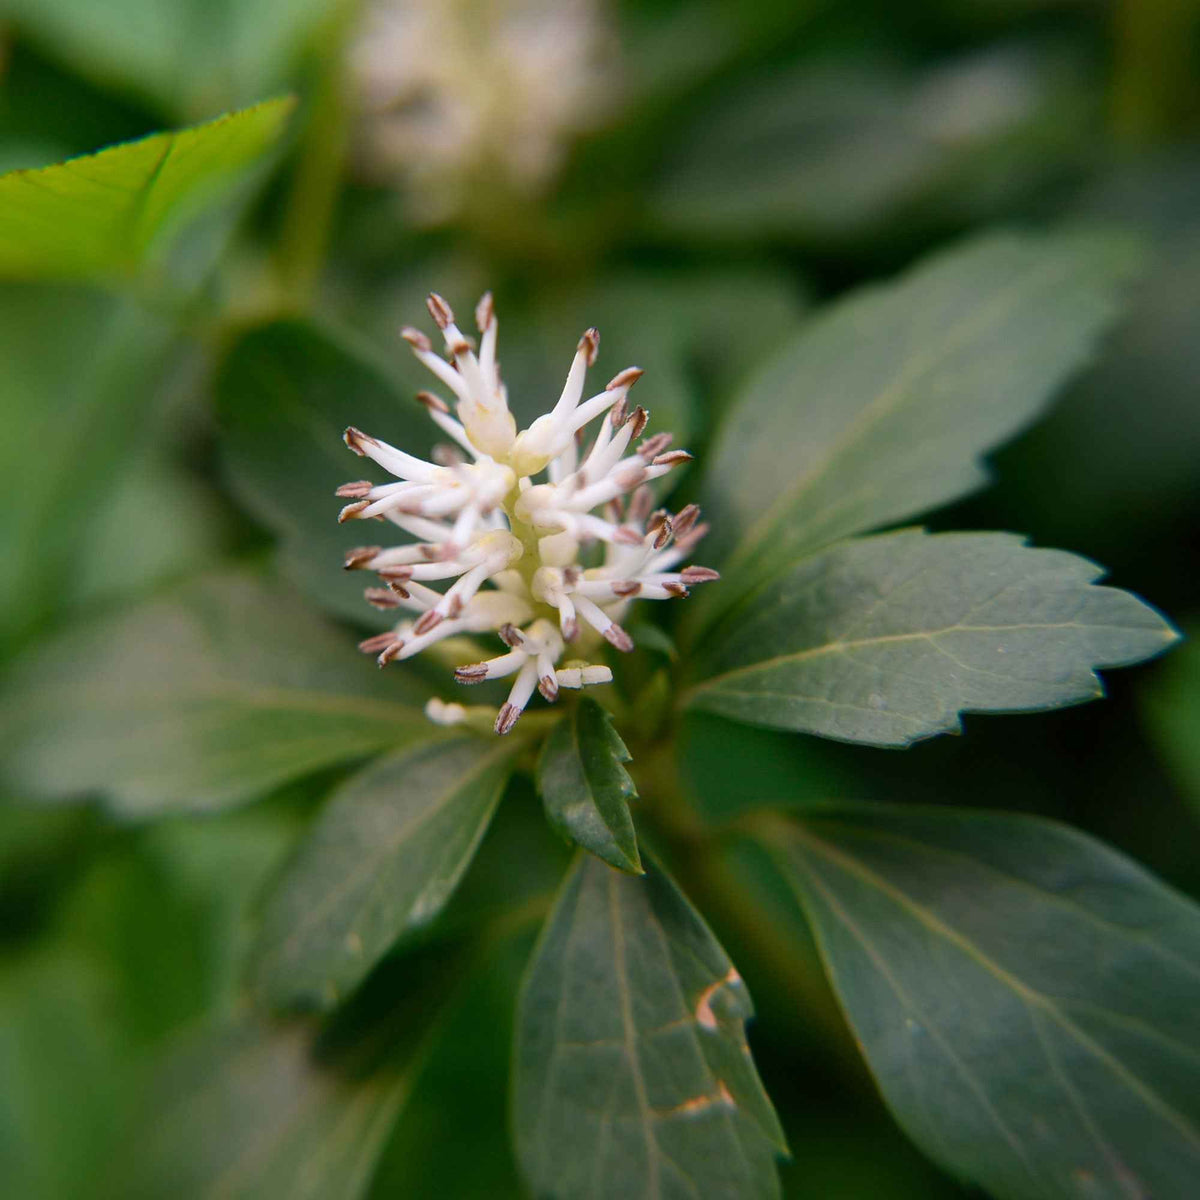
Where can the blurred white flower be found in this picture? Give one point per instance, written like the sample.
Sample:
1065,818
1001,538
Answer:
515,548
458,93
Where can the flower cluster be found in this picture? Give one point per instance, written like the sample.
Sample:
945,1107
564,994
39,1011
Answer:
511,545
450,90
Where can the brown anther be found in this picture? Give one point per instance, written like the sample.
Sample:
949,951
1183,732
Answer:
396,586
694,535
381,598
685,518
507,717
459,346
624,379
590,345
654,445
672,458
572,575
373,645
427,621
471,673
352,510
548,686
677,590
439,310
356,490
619,413
619,638
391,653
431,551
640,505
510,635
614,510
360,556
485,312
660,526
699,575
638,419
456,607
356,440
395,574
432,402
570,630
626,587
415,338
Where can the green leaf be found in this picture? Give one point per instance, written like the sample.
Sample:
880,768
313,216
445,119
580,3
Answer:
887,639
386,854
880,407
585,788
206,697
285,395
267,1111
839,150
99,215
633,1077
1028,1000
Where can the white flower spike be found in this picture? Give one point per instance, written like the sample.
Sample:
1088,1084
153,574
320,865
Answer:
510,545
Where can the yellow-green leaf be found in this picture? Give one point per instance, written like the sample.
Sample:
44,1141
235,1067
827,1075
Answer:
99,215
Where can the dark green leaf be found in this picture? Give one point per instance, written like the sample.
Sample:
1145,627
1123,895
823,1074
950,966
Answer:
633,1077
1028,1000
386,853
204,698
841,149
880,407
285,395
585,788
887,639
190,56
261,1111
98,215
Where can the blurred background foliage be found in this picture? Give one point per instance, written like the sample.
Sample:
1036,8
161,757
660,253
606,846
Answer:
692,176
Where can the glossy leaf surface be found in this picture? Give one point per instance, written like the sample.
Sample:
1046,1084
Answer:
585,787
206,697
1028,1000
881,406
633,1077
886,640
385,855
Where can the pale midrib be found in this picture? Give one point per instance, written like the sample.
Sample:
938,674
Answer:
841,647
1033,999
917,364
645,1113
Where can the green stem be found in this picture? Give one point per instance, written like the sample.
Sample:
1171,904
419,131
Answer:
322,154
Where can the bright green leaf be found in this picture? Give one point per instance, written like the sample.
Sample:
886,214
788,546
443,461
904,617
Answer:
285,396
1028,1000
98,215
887,639
385,856
881,406
585,788
633,1077
206,697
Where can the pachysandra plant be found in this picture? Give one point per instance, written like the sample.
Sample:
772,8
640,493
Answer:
1028,1001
